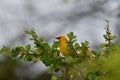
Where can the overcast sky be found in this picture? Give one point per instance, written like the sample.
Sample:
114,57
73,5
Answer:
51,18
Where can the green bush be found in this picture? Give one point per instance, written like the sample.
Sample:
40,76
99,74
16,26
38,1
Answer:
80,66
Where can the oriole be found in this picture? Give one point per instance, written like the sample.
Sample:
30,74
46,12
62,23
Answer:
63,47
89,53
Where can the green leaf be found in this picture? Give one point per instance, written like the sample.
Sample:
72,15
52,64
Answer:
90,76
27,32
98,72
57,68
19,49
55,44
36,59
50,69
76,60
105,36
28,47
36,52
5,50
86,43
46,46
107,20
102,45
42,40
77,46
71,36
29,58
69,60
46,59
95,52
54,78
32,33
14,54
113,37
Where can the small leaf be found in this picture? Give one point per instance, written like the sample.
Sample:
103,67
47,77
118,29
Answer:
37,51
29,58
53,78
86,43
46,46
19,49
50,69
75,60
94,52
77,46
28,47
57,68
113,37
105,36
107,20
55,44
42,40
15,52
5,50
71,36
90,76
36,59
102,45
69,60
28,32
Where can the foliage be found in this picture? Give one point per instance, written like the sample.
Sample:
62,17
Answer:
80,66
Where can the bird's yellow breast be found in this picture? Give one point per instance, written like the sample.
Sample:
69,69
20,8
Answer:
63,48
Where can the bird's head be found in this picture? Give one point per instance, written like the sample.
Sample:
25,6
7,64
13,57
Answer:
62,39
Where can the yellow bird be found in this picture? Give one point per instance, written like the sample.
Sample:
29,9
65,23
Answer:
63,47
89,53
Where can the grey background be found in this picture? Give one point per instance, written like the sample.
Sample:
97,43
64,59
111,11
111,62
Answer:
51,18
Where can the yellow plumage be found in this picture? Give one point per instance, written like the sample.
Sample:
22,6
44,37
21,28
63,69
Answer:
89,53
63,45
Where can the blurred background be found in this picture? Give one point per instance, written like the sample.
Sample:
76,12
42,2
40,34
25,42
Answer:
51,18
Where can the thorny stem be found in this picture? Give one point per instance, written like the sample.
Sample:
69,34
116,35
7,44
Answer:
108,33
67,76
75,51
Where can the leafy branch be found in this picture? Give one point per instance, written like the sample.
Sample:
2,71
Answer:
81,65
108,38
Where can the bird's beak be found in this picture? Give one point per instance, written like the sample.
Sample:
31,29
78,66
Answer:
57,38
